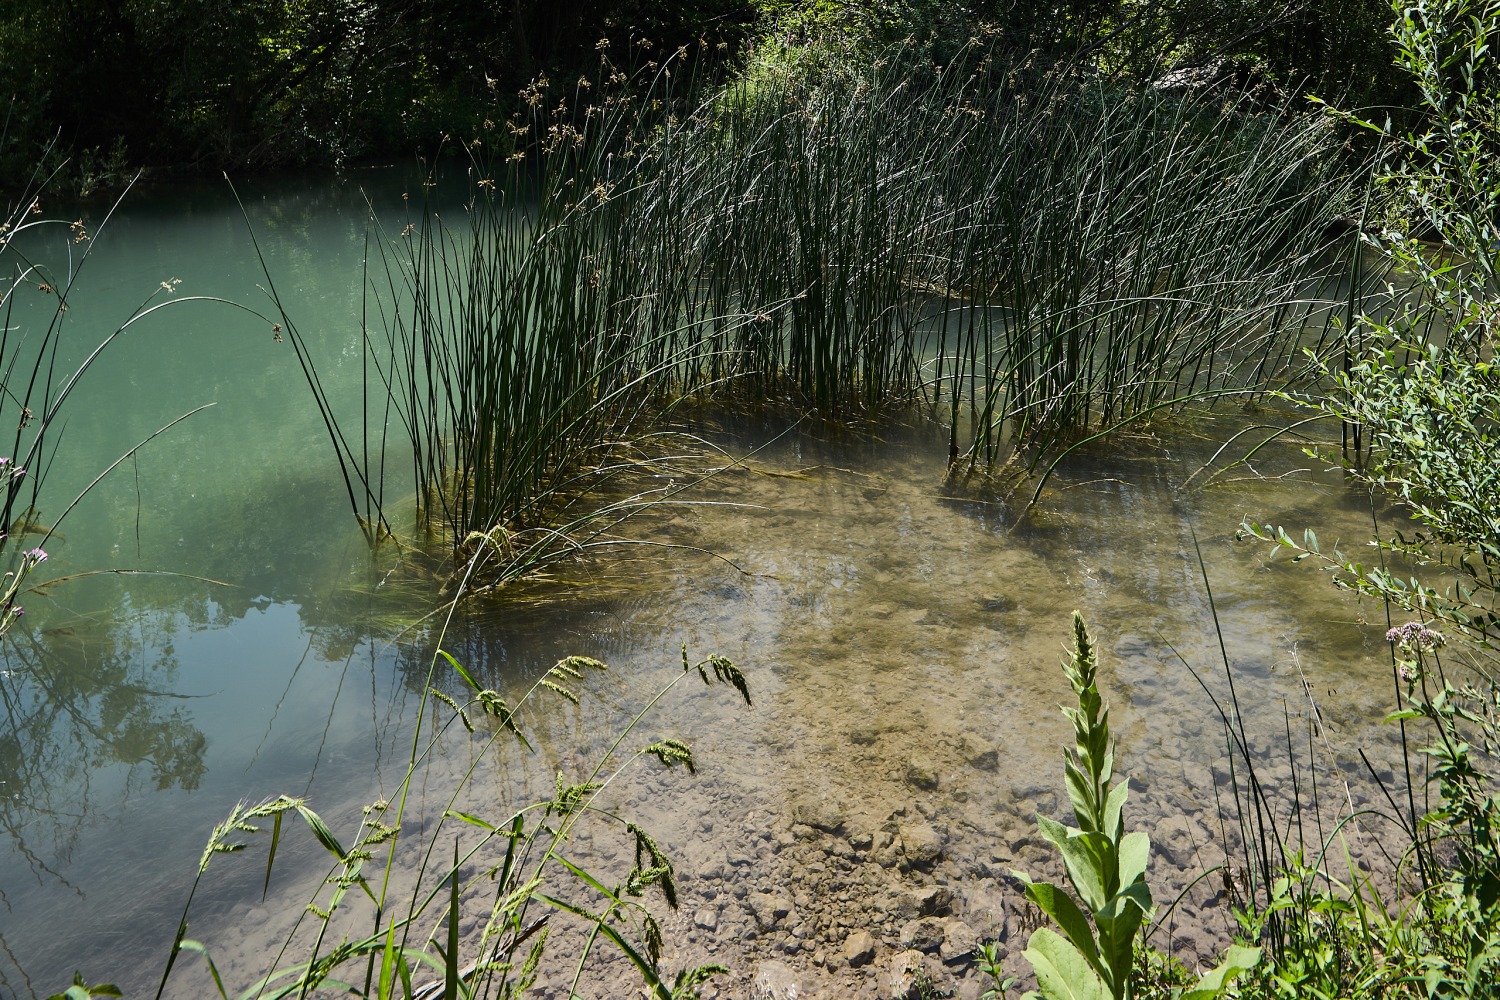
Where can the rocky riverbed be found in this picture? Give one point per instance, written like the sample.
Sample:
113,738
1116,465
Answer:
854,832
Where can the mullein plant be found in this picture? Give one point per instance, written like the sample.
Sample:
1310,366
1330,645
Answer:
1094,956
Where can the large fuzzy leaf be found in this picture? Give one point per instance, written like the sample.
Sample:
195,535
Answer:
1119,923
1134,855
1114,808
1061,970
1090,860
1057,904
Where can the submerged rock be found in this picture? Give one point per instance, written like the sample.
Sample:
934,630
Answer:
982,756
997,603
821,812
959,942
769,909
914,976
921,774
924,935
775,981
921,844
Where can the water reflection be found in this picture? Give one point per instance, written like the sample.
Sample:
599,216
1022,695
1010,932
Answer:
79,700
89,723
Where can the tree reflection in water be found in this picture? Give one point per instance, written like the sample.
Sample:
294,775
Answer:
86,721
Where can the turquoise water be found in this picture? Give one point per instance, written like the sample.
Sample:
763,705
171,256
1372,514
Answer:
142,707
871,610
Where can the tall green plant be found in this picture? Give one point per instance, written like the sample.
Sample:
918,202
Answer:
1425,391
1461,957
1037,261
1094,958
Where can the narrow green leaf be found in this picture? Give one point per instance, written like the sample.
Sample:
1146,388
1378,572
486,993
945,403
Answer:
271,856
387,964
213,969
1114,808
322,832
450,970
403,970
1081,794
459,668
468,818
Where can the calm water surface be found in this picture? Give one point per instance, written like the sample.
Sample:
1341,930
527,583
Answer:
901,643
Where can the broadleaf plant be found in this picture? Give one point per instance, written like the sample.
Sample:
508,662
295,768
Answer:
1094,956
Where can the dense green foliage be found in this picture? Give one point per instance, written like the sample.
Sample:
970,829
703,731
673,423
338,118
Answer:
214,84
207,85
1418,396
1418,385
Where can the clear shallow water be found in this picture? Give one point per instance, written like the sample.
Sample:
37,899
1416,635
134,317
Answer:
893,636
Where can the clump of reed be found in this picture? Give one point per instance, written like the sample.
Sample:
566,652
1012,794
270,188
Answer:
1032,262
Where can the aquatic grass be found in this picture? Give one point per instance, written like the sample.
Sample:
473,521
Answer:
1031,261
